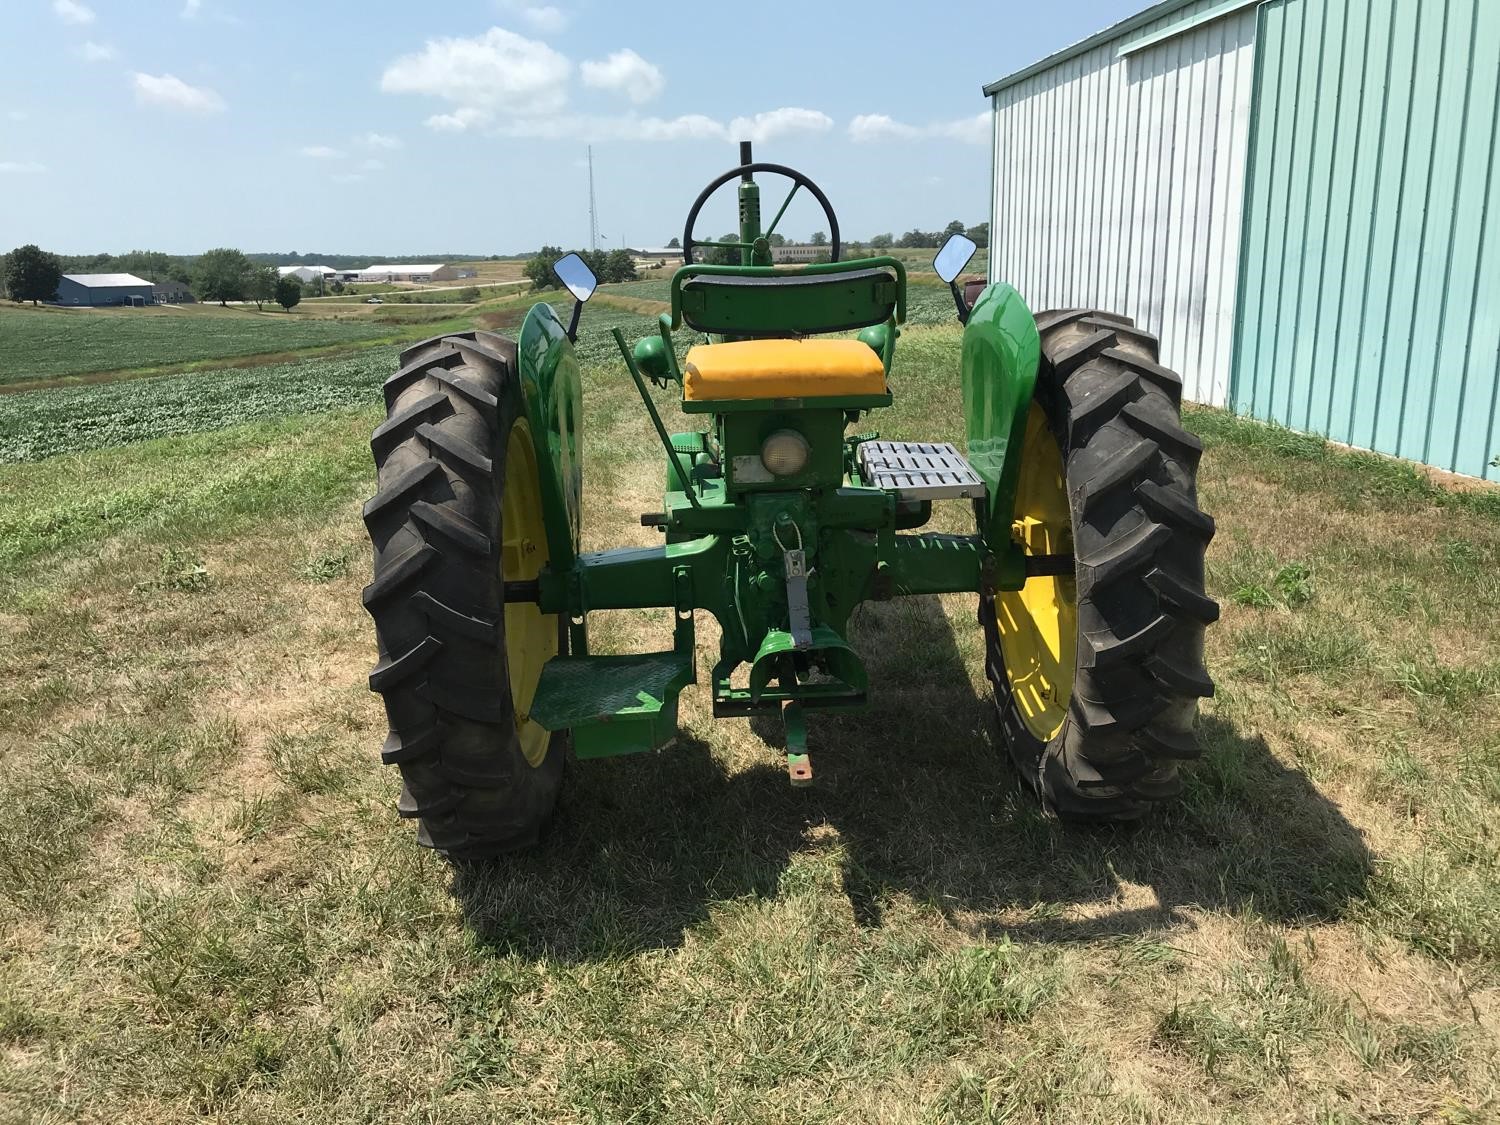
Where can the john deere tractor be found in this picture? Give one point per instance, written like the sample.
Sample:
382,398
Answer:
779,520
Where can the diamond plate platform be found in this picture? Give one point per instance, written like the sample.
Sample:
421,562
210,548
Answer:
918,470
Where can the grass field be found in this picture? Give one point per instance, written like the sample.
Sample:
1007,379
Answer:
168,342
44,343
210,910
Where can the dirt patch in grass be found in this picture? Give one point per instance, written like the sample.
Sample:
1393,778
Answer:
633,304
502,319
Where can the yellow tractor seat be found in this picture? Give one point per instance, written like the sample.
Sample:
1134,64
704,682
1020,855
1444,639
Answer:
750,369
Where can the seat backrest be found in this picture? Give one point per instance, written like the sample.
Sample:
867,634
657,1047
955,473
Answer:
761,301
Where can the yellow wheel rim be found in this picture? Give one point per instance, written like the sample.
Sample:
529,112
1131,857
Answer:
530,636
1039,623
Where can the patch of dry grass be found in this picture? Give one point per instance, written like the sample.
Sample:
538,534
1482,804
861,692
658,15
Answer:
210,908
639,305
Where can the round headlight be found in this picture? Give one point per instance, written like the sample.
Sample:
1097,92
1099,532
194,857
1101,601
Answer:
785,453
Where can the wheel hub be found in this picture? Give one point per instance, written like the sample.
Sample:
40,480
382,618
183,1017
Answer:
1038,624
530,636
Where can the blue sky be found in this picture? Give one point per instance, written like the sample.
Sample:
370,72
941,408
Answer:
397,126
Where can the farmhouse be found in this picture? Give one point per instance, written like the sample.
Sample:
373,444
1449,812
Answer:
170,293
103,289
1297,196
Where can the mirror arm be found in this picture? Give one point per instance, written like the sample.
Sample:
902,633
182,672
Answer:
661,430
959,303
573,324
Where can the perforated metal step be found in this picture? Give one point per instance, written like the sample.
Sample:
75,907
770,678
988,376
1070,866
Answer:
918,470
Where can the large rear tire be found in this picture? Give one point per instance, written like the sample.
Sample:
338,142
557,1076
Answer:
456,514
1097,675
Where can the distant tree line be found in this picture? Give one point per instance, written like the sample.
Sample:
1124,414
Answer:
32,274
225,274
608,266
914,238
152,265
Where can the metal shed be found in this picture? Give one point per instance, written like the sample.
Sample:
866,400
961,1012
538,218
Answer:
1298,196
103,289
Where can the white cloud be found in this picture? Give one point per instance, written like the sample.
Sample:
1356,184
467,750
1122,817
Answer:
380,141
779,122
320,152
192,9
371,165
70,11
869,127
879,127
689,127
96,52
171,92
21,167
17,114
626,72
465,117
544,19
347,178
976,130
499,71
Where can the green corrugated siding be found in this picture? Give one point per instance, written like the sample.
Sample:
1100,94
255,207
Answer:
1369,303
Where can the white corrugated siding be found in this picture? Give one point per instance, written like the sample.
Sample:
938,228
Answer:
1119,184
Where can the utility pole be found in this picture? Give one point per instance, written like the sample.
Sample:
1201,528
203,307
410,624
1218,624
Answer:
593,214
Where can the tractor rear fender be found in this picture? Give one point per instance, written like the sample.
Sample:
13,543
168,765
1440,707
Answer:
1001,350
552,393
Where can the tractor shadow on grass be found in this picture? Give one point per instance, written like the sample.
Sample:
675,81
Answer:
924,805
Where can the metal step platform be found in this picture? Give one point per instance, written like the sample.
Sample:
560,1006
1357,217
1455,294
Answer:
918,470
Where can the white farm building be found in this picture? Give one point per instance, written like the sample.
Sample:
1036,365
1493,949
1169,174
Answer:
308,274
435,271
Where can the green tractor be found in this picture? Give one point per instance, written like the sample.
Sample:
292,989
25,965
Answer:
1086,558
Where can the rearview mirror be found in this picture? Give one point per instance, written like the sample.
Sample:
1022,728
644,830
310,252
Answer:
576,276
953,257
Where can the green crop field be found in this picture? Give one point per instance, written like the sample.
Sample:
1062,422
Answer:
919,260
647,289
43,344
72,419
209,909
38,424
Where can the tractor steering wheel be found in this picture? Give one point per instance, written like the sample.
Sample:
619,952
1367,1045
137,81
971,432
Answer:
745,171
